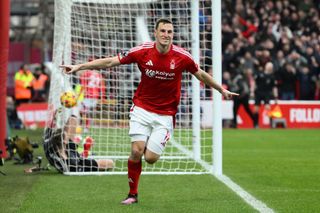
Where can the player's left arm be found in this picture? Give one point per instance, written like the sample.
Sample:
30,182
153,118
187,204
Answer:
102,63
208,80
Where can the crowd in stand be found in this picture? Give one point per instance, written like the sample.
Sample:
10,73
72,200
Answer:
278,38
284,33
29,86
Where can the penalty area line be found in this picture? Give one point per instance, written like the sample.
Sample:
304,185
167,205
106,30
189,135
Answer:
248,198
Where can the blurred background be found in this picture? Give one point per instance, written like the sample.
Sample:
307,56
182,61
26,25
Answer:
31,35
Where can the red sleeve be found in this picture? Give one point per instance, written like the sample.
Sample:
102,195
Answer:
191,65
129,56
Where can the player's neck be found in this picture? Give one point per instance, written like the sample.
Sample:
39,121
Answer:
163,49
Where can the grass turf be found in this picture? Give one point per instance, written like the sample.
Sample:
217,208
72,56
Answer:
279,167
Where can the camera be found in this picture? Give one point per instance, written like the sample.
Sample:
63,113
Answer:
23,147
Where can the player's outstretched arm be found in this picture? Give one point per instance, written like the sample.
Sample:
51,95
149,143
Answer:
208,80
92,65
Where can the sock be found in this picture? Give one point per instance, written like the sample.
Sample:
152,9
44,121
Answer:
87,146
134,171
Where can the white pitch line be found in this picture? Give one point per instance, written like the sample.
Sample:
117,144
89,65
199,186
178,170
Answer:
248,198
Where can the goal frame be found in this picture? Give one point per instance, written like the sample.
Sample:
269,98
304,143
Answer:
62,55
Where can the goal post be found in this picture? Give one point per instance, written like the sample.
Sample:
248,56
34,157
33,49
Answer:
217,103
4,55
91,29
195,83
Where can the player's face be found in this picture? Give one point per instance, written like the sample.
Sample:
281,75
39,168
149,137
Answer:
164,34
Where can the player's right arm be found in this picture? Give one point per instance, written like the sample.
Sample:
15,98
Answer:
208,80
103,63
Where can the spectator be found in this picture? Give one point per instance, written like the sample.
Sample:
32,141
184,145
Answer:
287,82
248,62
279,61
280,32
307,83
226,80
241,84
250,27
40,85
317,93
265,90
13,119
23,80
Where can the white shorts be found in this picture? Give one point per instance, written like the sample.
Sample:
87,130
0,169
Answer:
153,128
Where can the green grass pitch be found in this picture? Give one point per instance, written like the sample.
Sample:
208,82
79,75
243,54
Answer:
279,167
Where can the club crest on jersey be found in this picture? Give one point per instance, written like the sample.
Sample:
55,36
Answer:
172,65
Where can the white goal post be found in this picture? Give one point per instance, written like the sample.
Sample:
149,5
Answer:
91,29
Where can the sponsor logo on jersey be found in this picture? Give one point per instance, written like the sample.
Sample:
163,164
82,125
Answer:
160,74
149,63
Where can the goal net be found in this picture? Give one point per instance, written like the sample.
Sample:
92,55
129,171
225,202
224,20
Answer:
92,29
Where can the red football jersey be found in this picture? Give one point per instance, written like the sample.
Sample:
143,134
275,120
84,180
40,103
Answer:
161,74
93,84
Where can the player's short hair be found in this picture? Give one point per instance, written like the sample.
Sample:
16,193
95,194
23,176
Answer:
162,20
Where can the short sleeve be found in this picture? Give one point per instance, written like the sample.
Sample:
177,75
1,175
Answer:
127,57
191,65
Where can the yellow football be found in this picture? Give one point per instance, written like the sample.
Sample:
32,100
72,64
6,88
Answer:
68,99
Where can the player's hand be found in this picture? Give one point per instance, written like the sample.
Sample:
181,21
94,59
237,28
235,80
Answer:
228,95
69,68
